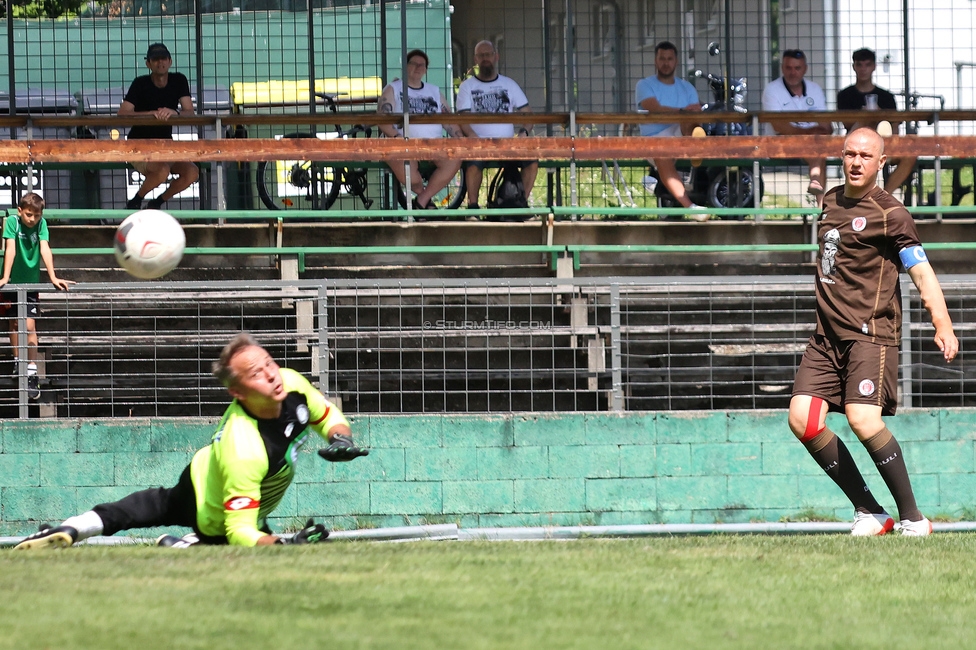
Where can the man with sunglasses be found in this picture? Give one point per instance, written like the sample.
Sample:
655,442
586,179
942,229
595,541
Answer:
162,94
791,92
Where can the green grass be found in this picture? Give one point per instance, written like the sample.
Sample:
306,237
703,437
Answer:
828,591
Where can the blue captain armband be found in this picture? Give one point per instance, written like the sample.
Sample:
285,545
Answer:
911,256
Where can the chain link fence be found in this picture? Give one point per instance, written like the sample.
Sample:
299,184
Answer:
261,57
435,346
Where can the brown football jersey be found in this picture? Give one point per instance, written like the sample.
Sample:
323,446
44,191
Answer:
858,296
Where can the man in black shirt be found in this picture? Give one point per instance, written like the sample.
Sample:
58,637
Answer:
161,94
855,98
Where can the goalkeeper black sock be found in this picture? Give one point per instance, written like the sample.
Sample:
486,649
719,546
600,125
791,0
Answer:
835,459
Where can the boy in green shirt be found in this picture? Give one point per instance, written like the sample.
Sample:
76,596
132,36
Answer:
25,241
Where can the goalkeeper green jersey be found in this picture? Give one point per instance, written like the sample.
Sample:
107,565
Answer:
241,477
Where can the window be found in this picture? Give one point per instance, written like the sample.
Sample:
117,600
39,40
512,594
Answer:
648,20
604,29
708,16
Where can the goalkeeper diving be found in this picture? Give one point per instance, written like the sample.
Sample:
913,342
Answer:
231,486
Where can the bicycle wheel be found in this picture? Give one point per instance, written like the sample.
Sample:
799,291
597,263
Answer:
451,197
298,184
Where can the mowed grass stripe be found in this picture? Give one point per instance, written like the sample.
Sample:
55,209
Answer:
828,591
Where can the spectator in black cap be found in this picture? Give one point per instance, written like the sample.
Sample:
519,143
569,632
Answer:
864,95
161,94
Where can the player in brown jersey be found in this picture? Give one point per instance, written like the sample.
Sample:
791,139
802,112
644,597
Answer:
851,363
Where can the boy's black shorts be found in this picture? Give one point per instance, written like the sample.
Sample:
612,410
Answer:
8,304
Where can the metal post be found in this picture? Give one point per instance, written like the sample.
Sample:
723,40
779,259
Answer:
571,96
908,52
204,182
22,353
221,198
616,372
311,58
198,38
937,165
405,100
756,180
323,346
383,57
30,161
11,68
573,189
906,343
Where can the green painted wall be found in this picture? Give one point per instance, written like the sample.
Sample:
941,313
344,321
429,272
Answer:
505,470
93,53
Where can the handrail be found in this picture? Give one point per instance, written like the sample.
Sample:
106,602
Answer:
264,216
788,147
556,118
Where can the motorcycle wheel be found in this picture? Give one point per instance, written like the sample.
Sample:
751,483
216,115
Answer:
742,184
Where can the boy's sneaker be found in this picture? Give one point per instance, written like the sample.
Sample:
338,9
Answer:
700,217
915,528
57,537
867,524
135,203
33,387
155,204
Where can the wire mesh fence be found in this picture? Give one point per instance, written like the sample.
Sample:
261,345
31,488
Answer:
260,57
435,346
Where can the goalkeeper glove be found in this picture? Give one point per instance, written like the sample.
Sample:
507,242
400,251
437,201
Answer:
311,534
342,449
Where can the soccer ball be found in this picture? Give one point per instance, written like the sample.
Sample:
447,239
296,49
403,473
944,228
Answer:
149,244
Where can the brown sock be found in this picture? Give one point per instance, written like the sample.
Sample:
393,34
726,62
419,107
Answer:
835,459
887,456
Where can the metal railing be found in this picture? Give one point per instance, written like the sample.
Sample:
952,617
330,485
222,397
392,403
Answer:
460,345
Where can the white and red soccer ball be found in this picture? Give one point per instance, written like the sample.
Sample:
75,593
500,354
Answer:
149,244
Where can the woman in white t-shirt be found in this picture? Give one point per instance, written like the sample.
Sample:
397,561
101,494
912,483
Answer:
423,99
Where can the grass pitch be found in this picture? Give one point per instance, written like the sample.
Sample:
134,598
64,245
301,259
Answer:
827,591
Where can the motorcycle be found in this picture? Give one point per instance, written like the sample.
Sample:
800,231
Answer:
720,186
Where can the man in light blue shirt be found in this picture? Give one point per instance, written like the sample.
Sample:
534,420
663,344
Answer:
663,93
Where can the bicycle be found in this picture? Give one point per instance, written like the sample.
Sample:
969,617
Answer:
311,185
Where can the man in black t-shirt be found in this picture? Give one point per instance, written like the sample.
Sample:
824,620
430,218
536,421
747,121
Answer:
161,94
855,98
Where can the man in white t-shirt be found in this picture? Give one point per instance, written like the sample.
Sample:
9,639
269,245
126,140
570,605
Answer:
664,93
791,92
424,99
490,92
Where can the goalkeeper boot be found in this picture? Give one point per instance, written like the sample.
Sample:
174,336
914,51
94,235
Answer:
173,541
57,537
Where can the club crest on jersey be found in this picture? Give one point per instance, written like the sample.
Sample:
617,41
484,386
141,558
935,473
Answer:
866,387
810,101
859,224
301,412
